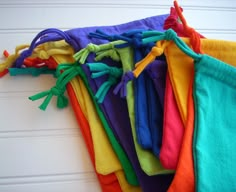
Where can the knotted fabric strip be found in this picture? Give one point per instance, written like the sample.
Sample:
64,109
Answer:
155,52
82,55
100,69
32,71
72,70
39,39
195,40
121,87
12,58
99,34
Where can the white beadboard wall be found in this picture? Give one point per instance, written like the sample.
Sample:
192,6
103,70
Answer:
44,151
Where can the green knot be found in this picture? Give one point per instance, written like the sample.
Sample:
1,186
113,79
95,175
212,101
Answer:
65,73
57,91
70,69
93,48
100,69
112,53
103,50
62,101
82,55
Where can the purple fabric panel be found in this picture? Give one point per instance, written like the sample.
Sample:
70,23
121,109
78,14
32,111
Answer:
115,108
157,71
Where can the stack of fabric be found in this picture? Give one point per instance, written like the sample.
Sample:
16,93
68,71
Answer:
148,99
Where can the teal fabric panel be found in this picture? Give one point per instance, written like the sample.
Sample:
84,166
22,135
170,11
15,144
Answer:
214,145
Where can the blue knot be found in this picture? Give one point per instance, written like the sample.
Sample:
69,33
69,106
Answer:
99,34
133,32
137,42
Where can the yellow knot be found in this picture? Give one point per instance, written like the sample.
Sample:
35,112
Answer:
57,44
43,54
12,58
157,51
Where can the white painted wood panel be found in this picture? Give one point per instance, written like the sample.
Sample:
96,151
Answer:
78,16
44,155
45,151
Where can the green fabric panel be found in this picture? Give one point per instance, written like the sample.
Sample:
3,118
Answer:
126,164
150,164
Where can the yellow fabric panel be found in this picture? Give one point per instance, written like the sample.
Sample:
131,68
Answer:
180,66
106,160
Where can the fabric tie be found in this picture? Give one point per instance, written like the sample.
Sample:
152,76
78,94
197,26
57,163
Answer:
135,40
162,41
40,39
112,53
45,54
99,34
50,63
194,36
170,22
100,50
155,52
100,69
69,72
121,87
32,71
12,58
82,55
126,36
62,101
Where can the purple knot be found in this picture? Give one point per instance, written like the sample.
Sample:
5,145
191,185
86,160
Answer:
121,87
